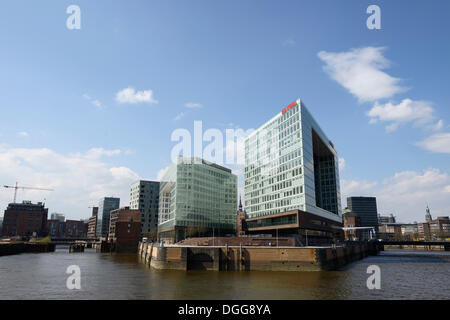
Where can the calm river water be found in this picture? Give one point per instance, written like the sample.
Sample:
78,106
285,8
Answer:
404,275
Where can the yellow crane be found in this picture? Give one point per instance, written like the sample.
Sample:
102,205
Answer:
24,188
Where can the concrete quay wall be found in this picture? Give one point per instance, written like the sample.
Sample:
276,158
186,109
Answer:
252,258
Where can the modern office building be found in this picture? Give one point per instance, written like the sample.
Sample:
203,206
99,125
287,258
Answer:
292,177
196,198
105,206
366,208
25,219
58,216
144,196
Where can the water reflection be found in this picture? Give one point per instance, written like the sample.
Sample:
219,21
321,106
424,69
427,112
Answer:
405,275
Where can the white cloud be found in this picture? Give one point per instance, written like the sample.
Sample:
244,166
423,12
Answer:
360,72
406,193
439,143
96,103
193,105
161,173
130,95
23,134
438,126
420,113
78,179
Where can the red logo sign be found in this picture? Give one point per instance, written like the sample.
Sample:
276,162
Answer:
293,104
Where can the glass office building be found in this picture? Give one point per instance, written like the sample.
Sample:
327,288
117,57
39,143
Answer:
197,198
291,176
105,205
144,196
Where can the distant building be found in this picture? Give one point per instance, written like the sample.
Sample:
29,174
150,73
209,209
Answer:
57,216
352,220
56,228
386,219
92,227
423,229
105,206
196,197
125,229
437,228
94,212
390,231
75,229
1,223
241,225
440,227
410,231
25,219
428,217
144,196
366,208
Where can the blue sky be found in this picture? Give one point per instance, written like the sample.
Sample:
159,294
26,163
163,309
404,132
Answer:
238,63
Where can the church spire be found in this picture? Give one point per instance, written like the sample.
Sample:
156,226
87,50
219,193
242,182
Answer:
240,203
428,217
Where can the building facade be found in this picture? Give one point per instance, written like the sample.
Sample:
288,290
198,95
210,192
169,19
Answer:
92,228
25,219
366,208
58,216
196,198
125,229
56,228
351,220
144,196
105,206
292,176
386,219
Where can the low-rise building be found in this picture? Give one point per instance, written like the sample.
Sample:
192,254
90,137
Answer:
410,231
352,220
390,231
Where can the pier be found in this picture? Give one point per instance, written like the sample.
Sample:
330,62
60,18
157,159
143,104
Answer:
253,258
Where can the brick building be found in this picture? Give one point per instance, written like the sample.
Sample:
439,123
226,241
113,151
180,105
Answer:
125,229
25,219
351,220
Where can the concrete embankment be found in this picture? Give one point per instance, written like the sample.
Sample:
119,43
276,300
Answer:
25,247
253,258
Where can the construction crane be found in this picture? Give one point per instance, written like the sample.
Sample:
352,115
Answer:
24,188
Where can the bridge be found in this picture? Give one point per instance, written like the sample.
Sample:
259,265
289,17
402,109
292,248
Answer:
445,244
69,241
